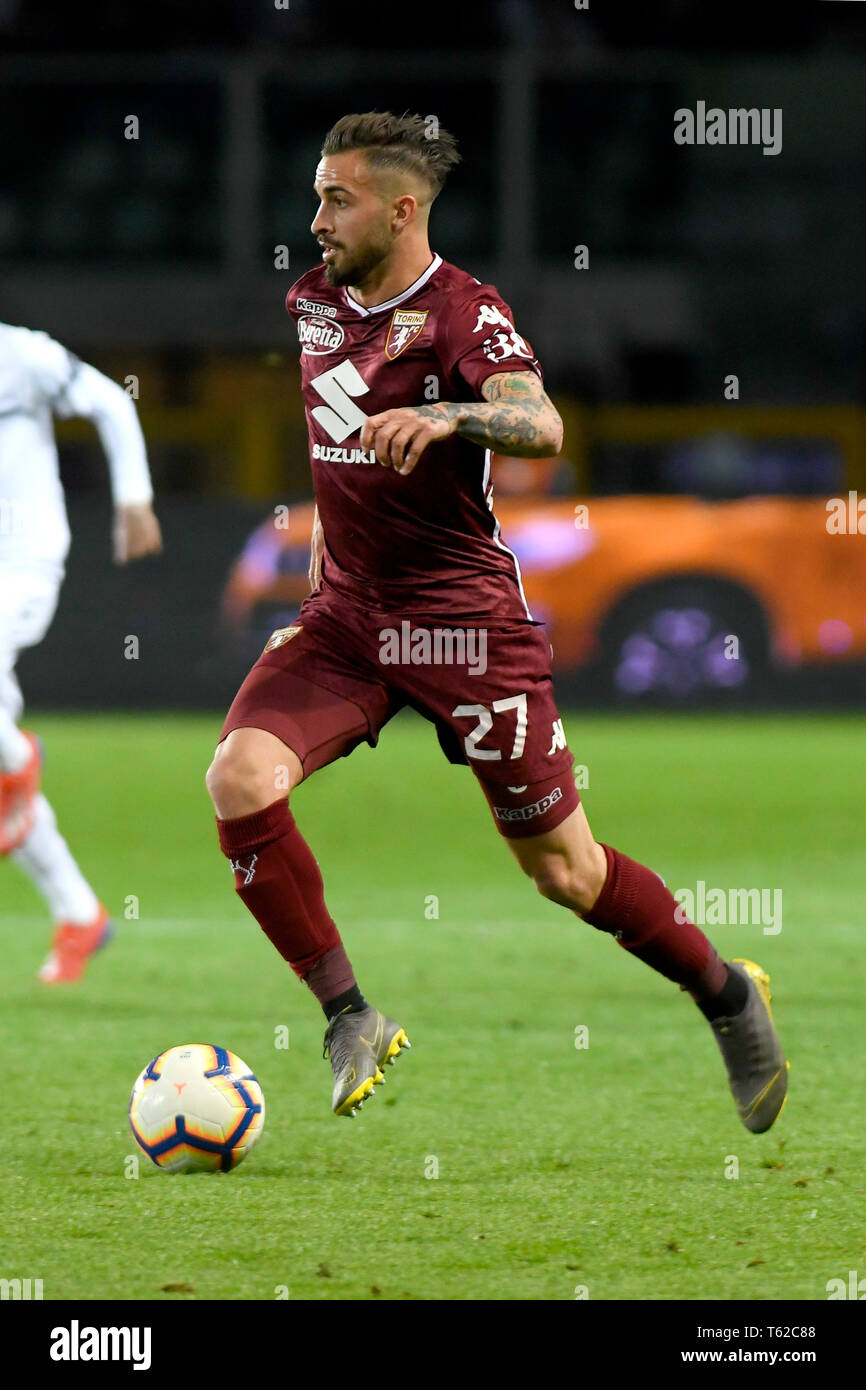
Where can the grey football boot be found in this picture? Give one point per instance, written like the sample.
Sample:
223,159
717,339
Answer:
757,1069
358,1045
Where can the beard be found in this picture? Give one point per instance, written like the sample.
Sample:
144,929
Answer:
363,261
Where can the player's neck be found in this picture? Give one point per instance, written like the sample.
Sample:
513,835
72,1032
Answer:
394,277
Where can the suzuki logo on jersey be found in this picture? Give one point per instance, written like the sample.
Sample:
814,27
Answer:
318,336
327,453
340,417
404,328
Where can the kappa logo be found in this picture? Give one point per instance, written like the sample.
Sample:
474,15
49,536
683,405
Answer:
319,337
248,871
326,311
506,342
537,808
403,329
282,634
558,737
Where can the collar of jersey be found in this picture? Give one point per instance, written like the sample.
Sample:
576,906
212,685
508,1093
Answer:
398,299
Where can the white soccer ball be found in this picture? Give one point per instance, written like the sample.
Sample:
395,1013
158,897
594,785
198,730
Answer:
197,1107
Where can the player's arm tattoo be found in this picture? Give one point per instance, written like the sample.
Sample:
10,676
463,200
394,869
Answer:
516,416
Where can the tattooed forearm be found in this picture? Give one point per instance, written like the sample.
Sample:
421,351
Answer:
513,385
515,417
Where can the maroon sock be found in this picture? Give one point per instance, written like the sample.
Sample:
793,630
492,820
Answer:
636,907
278,879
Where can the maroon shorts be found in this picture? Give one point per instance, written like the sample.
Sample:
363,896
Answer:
335,678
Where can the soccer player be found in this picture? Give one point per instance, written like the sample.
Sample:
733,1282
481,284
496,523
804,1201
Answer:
412,373
38,379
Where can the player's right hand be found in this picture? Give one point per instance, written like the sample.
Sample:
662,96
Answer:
136,533
399,437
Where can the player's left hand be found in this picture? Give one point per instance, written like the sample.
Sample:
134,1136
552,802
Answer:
136,533
399,437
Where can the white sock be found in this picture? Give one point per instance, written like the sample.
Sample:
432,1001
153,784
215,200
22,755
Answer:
45,858
15,749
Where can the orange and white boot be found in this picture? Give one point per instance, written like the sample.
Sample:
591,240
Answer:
71,949
17,798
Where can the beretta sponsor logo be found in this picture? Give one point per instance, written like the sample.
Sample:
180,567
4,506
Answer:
318,336
325,311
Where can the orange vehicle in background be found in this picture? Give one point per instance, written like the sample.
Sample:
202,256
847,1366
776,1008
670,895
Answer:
653,598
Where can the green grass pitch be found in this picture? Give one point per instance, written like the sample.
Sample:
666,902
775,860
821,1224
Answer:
559,1168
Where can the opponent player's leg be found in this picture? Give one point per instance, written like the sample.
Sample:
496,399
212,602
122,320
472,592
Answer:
20,753
630,902
253,773
28,826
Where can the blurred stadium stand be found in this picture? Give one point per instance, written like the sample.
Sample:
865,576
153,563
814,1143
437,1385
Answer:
154,258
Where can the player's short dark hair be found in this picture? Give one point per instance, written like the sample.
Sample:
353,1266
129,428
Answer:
415,144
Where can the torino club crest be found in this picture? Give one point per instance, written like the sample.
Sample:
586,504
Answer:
403,329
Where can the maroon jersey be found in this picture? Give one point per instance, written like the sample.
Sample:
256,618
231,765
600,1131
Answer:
426,544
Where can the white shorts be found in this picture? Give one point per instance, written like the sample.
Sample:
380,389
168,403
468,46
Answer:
28,600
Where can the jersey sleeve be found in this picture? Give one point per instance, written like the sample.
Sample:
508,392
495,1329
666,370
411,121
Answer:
50,366
96,397
480,340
